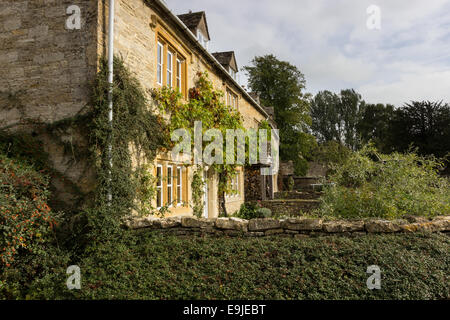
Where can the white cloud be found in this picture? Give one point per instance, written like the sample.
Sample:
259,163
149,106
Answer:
431,85
329,42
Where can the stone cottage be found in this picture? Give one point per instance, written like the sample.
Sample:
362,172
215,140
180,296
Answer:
49,63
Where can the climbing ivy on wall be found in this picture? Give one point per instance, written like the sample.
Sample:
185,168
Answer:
204,104
136,135
197,186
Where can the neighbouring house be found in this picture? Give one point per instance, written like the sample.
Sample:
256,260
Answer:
51,69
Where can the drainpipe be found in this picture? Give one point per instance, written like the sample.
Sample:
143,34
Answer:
110,91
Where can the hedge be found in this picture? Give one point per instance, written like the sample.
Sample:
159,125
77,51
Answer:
157,266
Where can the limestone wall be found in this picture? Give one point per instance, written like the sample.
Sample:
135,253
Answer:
46,72
294,227
291,207
135,41
47,65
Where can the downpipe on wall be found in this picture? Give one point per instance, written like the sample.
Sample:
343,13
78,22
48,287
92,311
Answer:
110,92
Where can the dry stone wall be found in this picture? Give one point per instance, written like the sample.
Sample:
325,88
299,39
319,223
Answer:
291,207
293,227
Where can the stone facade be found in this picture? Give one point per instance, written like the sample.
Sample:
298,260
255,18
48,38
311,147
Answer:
49,70
316,169
293,227
48,66
135,42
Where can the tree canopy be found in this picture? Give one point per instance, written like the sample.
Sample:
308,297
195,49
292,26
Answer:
347,119
281,85
336,117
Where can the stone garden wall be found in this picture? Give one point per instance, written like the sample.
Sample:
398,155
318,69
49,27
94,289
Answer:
293,227
291,207
288,195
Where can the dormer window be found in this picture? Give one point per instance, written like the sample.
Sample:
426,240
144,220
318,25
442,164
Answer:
202,39
228,61
197,24
233,74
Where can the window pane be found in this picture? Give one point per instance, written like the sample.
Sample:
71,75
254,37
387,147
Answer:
169,196
169,185
159,71
169,175
159,176
179,177
169,68
179,185
178,74
159,198
159,63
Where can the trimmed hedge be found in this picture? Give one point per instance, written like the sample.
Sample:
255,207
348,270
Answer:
157,266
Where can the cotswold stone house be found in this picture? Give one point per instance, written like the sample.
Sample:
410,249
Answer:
49,68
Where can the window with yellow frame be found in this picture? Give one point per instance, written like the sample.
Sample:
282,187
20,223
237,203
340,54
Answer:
171,67
171,185
232,99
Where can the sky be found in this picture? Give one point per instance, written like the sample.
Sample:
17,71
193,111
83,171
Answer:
407,58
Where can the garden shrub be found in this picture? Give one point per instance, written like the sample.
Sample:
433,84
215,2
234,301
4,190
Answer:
155,265
391,186
28,249
251,210
247,211
264,212
330,154
25,217
160,266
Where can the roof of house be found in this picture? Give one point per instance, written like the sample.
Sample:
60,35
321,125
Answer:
255,96
227,59
192,20
177,20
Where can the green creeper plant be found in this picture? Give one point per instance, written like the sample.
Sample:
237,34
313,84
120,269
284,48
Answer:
204,104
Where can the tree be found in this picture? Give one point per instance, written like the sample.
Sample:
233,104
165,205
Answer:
335,117
349,111
325,116
281,85
374,125
425,125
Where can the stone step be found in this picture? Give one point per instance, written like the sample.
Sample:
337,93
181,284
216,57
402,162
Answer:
305,195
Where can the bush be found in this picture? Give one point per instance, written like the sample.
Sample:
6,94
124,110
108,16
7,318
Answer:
330,154
369,184
40,275
160,266
264,212
26,220
28,253
252,210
